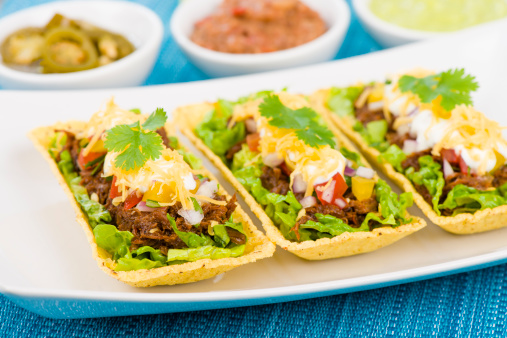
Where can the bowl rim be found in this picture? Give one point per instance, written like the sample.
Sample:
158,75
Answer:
337,27
152,42
363,10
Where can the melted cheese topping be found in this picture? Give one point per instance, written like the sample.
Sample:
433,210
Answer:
106,118
316,165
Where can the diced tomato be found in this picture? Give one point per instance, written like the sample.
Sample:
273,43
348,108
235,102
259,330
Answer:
463,166
238,11
253,142
335,190
450,155
285,169
83,160
132,200
115,191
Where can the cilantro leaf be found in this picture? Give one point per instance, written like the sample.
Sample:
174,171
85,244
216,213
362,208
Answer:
304,121
453,86
136,144
156,120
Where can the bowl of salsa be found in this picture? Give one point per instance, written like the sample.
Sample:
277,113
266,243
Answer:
234,37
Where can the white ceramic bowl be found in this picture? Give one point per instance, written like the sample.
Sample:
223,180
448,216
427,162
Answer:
335,13
385,33
137,23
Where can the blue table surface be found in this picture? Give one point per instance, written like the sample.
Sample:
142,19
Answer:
467,304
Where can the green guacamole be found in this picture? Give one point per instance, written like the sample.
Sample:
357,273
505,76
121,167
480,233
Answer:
438,15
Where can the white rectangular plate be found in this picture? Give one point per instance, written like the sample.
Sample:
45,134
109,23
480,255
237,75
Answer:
45,261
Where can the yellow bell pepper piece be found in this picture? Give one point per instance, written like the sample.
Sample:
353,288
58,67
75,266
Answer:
159,192
377,93
500,161
362,187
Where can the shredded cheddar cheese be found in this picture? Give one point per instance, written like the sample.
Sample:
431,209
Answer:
470,129
106,118
173,173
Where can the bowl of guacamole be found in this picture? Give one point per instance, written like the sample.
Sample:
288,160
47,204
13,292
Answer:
395,22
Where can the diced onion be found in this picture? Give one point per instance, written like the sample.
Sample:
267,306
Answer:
308,201
327,195
340,203
141,206
272,160
191,216
365,172
251,126
409,146
414,111
447,168
403,129
207,189
299,184
349,171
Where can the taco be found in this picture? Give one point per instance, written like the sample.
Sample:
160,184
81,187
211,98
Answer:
152,214
423,132
315,196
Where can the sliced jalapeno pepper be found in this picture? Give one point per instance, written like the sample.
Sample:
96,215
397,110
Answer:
66,50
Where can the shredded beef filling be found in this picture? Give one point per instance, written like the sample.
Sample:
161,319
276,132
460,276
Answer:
152,228
275,180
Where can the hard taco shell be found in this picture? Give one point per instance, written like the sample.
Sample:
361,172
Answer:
480,221
257,247
346,244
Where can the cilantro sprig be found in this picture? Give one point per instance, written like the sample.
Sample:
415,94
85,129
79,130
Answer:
304,121
136,143
453,86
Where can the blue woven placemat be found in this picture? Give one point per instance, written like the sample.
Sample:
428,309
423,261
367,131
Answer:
468,304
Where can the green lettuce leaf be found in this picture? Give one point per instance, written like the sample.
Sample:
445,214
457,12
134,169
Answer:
194,254
341,100
192,160
374,134
130,264
143,258
189,238
246,158
57,143
431,176
114,241
95,211
377,131
221,236
214,132
332,225
390,204
467,199
351,155
393,155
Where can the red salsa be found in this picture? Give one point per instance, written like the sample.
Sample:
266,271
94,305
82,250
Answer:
260,26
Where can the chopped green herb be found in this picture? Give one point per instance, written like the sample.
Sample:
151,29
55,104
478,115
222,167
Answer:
453,86
152,204
136,143
304,121
197,206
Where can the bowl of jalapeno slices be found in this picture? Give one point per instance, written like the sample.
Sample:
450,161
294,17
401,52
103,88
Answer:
78,45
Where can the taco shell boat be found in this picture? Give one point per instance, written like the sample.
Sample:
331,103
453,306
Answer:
344,244
481,219
257,246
